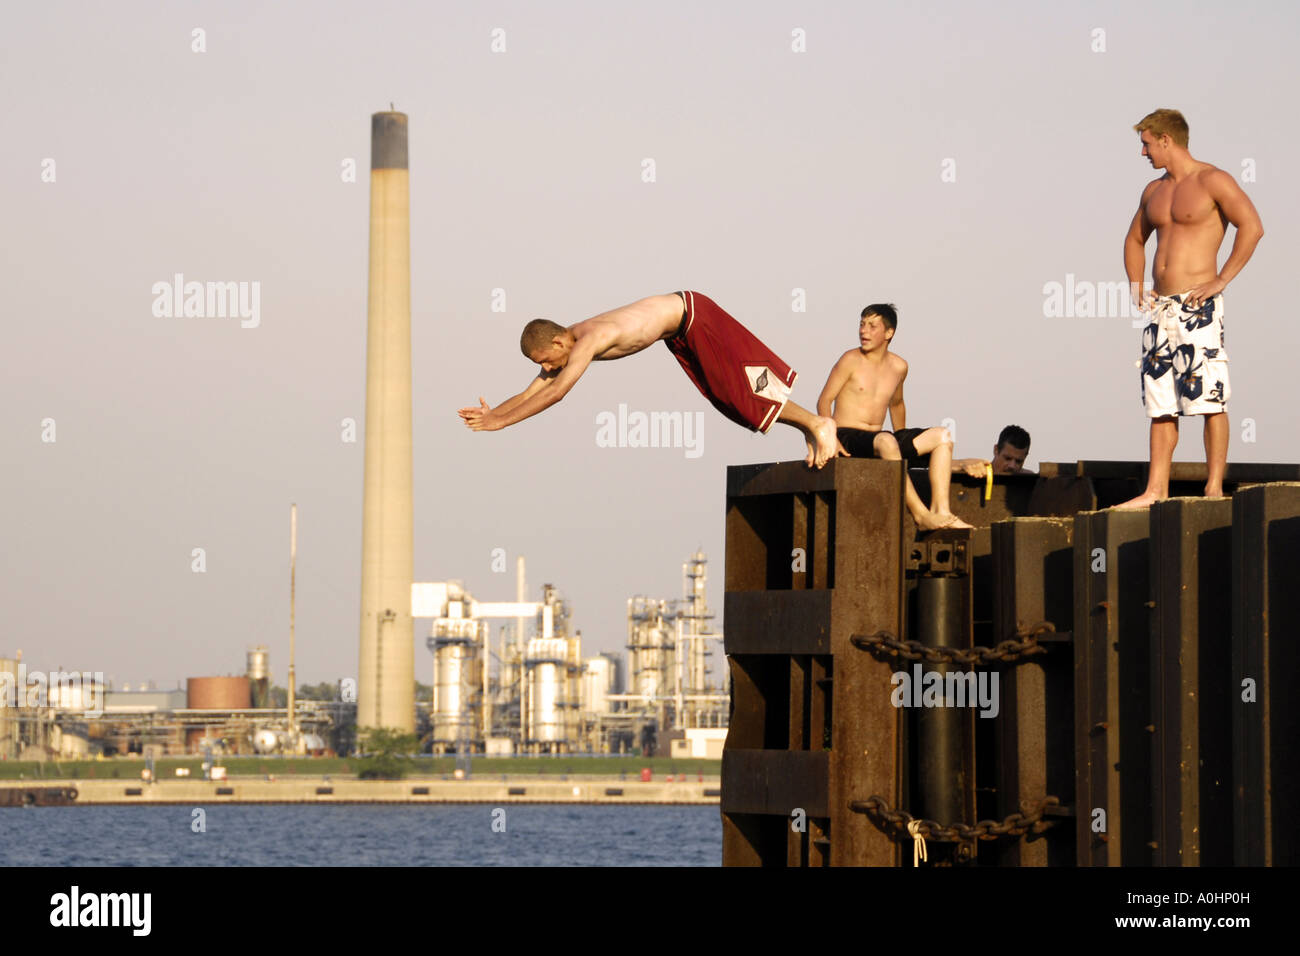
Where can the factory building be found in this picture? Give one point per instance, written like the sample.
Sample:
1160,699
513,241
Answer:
46,713
530,702
670,644
68,716
532,691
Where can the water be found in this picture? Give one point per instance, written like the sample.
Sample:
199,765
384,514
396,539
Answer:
436,835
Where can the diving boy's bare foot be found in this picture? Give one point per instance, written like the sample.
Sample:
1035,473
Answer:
1144,500
823,444
1214,492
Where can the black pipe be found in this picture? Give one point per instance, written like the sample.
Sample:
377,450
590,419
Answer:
939,757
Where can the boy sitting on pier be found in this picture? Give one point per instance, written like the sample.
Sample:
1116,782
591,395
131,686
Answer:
863,384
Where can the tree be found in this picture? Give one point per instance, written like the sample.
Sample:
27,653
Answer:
385,753
322,691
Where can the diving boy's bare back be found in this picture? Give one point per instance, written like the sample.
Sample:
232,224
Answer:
736,372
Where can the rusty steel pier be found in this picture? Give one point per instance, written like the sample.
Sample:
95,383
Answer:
1132,667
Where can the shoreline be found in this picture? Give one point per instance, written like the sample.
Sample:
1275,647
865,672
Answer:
300,789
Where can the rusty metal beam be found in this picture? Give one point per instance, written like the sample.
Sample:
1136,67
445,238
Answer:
865,735
1063,496
775,782
1265,653
1034,581
800,700
750,686
782,478
799,686
778,622
1238,472
1191,703
753,840
1112,687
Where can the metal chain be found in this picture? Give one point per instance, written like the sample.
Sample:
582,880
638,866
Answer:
885,643
1015,825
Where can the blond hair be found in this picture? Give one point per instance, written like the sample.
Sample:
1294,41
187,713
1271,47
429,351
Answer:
1165,123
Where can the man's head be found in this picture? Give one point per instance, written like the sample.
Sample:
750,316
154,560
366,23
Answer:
1011,450
547,343
877,326
1163,134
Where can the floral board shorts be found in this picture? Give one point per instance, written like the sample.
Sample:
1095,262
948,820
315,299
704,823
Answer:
1184,363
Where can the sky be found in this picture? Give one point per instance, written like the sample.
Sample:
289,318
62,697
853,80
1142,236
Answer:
793,161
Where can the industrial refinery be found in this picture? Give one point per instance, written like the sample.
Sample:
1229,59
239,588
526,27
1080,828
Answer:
506,678
530,690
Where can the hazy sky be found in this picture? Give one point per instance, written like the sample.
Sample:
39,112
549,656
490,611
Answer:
950,159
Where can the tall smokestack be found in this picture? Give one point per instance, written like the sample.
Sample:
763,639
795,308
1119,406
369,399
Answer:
386,684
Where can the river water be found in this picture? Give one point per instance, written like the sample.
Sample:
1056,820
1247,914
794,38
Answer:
362,835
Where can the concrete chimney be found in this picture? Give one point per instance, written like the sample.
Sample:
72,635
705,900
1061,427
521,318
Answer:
386,679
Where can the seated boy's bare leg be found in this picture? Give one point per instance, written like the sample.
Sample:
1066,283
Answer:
937,442
886,446
819,433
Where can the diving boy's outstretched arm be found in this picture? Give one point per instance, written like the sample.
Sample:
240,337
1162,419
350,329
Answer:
536,385
543,392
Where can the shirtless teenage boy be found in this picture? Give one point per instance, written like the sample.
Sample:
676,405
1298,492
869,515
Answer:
863,384
1184,362
736,372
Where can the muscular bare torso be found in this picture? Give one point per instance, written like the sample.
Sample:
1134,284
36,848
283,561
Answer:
1189,227
631,328
865,397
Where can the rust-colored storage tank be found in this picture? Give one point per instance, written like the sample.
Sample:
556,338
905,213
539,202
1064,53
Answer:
217,693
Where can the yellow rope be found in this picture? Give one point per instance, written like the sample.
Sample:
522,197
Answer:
918,842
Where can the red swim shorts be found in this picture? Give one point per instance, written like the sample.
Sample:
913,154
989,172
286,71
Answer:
736,372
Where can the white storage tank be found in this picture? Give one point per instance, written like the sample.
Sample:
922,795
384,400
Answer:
259,663
457,678
453,684
597,684
266,741
546,657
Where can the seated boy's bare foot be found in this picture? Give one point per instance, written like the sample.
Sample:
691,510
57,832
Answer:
950,520
926,521
930,521
1144,500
